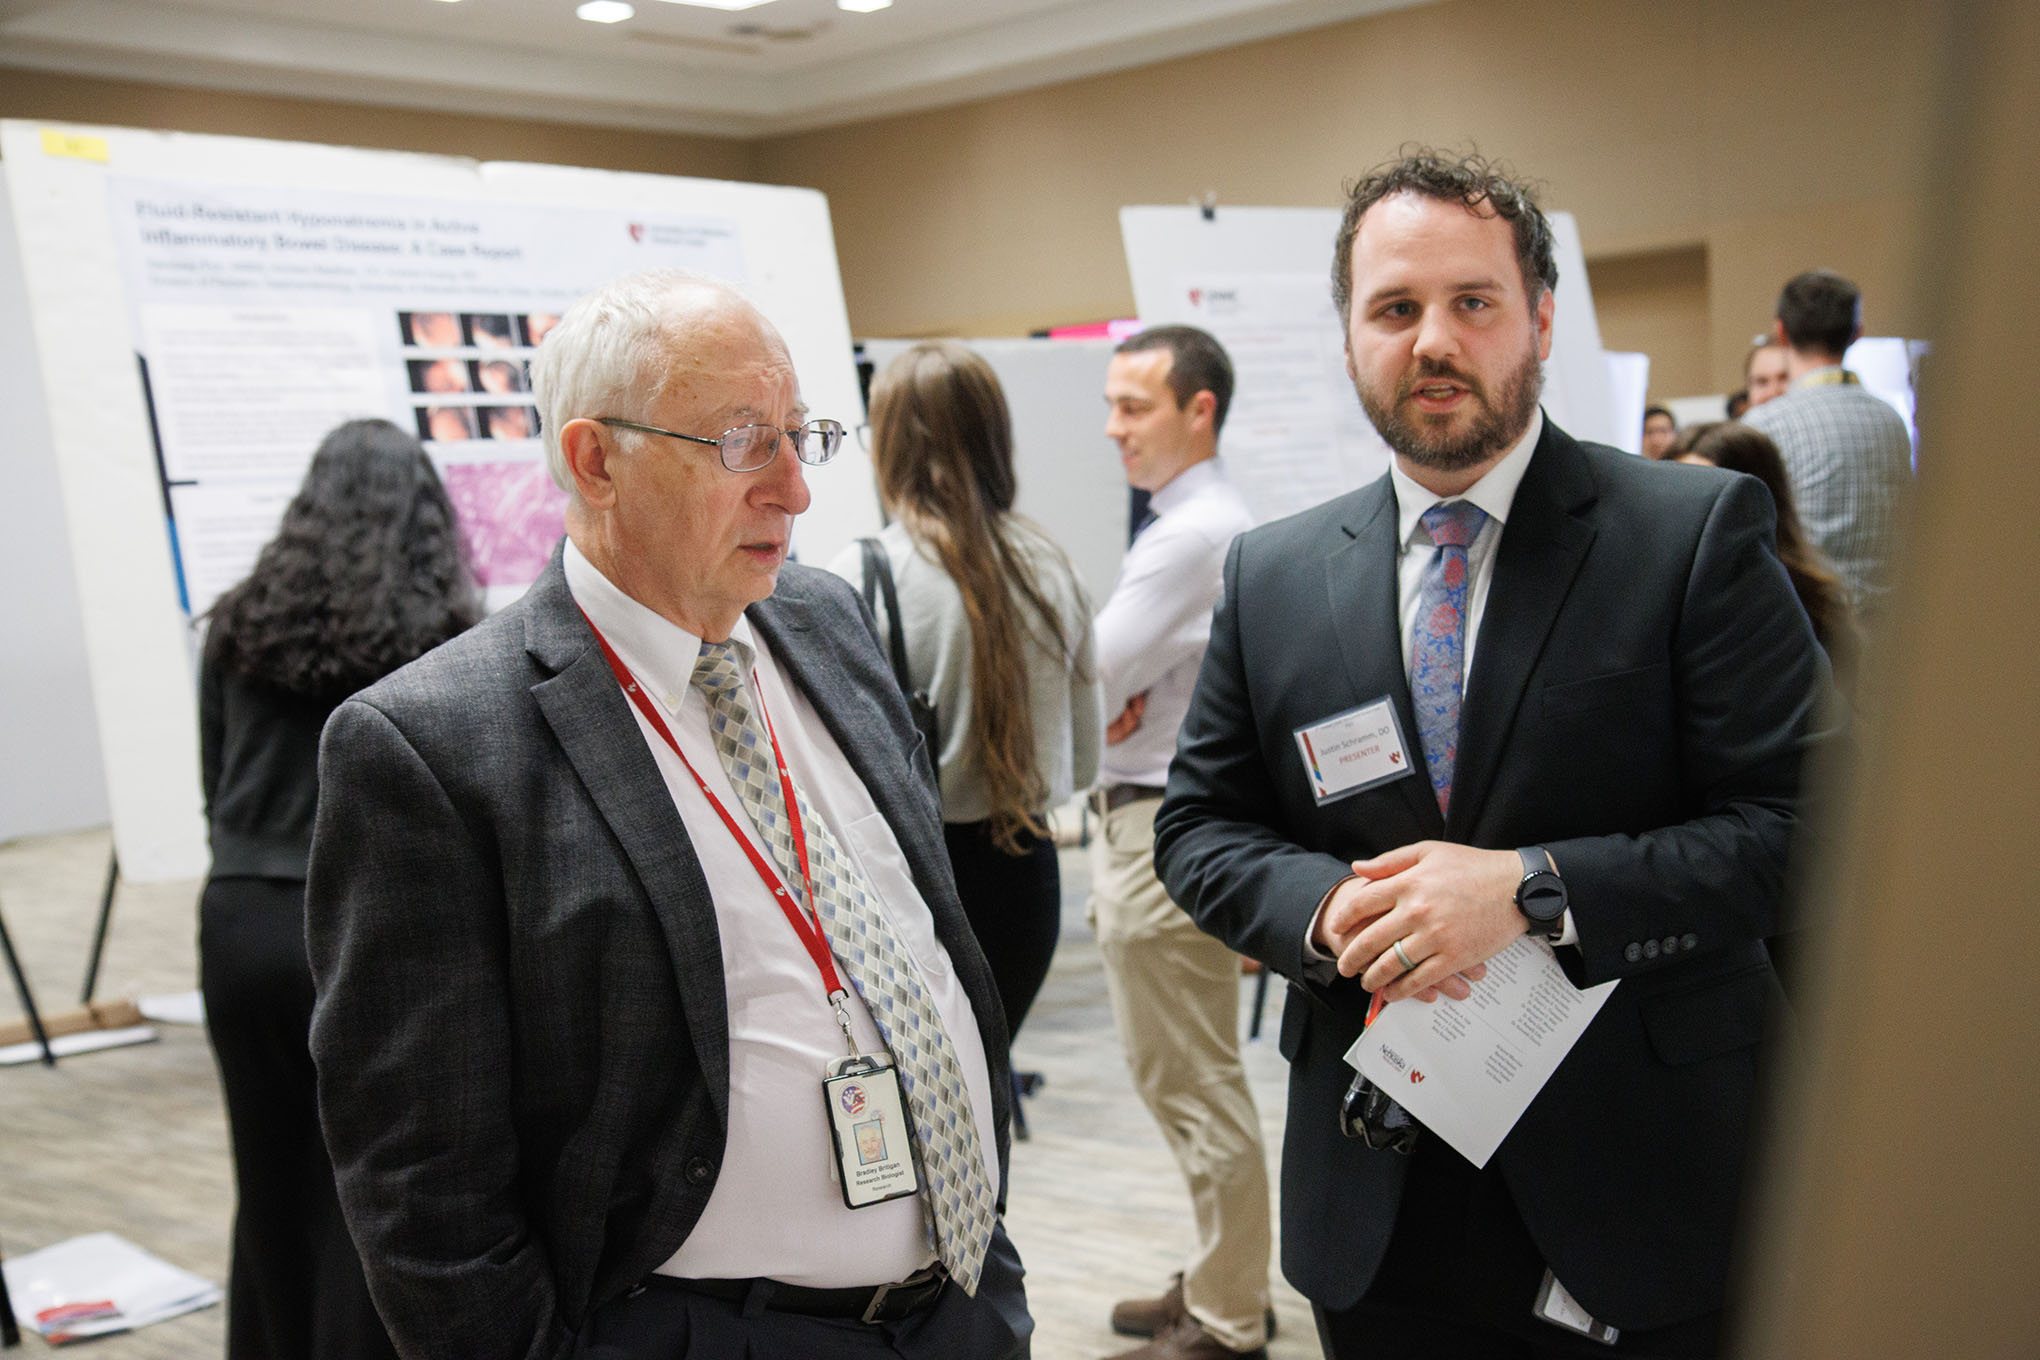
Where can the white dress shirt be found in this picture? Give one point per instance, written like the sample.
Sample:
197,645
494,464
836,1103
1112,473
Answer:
1153,630
776,1210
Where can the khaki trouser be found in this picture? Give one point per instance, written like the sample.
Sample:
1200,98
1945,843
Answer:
1175,995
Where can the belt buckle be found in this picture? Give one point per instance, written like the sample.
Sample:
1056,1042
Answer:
877,1302
933,1274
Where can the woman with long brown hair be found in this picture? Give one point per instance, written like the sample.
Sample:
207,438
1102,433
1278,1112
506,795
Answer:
998,633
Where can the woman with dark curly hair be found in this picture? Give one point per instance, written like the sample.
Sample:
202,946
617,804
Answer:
365,574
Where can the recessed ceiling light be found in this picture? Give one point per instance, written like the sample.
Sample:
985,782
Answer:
605,11
725,4
863,6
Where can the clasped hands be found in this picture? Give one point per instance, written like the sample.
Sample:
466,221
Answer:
1452,908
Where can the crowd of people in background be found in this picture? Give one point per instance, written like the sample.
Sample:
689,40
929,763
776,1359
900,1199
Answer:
1837,459
597,897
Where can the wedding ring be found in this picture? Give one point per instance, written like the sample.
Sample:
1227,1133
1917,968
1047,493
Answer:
1408,964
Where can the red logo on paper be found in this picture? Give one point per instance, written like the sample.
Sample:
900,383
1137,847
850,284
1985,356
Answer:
637,231
1415,1076
1196,296
1395,757
853,1099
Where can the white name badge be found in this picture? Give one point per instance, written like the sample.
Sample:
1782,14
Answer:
867,1115
1354,750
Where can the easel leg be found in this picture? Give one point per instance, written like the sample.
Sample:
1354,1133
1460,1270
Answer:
99,935
35,1023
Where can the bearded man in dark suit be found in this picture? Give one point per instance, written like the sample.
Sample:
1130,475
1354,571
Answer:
601,894
1606,685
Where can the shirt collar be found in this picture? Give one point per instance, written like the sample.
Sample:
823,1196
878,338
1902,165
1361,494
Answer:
1186,484
660,652
1493,493
1828,375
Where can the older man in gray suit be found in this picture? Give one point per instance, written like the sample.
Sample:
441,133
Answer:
639,960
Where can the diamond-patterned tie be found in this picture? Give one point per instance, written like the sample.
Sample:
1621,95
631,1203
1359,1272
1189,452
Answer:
1438,656
885,976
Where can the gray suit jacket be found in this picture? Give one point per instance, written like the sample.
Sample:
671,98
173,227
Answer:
1643,689
521,1028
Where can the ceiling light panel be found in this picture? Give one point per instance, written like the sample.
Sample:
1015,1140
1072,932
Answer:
725,4
605,11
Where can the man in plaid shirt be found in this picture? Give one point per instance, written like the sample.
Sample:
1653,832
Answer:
1847,452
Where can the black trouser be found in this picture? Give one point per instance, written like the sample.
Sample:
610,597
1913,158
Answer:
673,1324
296,1288
1014,903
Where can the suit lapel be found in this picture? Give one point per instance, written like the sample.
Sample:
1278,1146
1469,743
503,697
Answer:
1361,593
1543,544
592,721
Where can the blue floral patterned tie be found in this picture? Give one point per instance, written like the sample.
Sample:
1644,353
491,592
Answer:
1438,656
945,1131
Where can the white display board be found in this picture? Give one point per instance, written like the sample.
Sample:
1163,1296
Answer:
1259,279
50,777
1069,475
204,308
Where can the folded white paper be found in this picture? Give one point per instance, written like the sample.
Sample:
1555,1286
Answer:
1468,1069
99,1283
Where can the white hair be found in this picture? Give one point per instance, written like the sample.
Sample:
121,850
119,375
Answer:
610,354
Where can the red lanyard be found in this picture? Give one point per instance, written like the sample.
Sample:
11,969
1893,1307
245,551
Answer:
809,931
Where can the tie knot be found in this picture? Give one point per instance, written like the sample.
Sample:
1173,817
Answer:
719,668
1454,524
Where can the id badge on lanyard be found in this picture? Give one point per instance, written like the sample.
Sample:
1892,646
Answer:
867,1107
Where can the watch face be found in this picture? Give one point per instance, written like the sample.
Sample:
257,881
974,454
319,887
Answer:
1542,896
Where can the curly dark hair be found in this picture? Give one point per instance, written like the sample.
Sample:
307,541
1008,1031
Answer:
1478,183
366,573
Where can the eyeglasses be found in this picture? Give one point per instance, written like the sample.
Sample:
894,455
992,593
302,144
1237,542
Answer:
750,447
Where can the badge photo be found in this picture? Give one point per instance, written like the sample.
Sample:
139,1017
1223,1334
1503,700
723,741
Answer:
868,1122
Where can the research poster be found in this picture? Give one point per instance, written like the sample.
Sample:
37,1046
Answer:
1295,435
264,316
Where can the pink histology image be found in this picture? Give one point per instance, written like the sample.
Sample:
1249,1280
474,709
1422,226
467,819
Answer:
511,515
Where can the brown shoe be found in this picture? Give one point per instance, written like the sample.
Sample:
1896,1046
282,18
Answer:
1184,1339
1146,1317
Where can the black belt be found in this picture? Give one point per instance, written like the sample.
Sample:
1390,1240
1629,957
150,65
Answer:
866,1303
1117,796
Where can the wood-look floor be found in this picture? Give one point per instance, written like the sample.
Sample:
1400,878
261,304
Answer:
134,1141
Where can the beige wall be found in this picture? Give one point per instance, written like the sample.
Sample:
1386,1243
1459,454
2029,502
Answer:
1662,126
1656,303
1668,129
120,103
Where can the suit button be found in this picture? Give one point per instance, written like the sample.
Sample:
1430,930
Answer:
1650,949
1671,944
1689,941
1632,951
700,1171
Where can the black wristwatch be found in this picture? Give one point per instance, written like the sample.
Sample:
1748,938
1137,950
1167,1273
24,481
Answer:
1541,895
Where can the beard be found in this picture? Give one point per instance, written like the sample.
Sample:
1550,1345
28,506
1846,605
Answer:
1497,423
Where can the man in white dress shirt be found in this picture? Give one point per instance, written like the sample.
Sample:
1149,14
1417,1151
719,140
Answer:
1174,989
602,893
